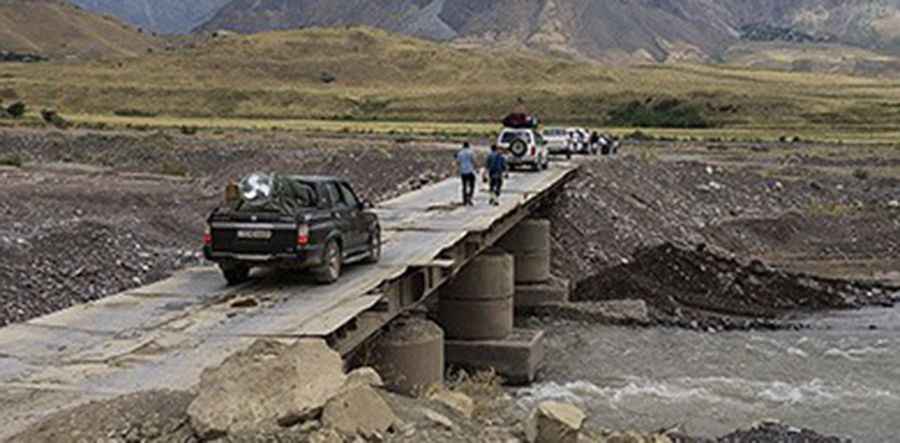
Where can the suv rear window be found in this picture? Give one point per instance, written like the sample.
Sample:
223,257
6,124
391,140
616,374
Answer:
509,136
555,132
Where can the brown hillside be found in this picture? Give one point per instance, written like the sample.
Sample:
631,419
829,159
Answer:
57,29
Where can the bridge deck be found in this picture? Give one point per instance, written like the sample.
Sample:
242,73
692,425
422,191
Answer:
163,335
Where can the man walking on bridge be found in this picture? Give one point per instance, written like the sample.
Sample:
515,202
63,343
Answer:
495,170
465,160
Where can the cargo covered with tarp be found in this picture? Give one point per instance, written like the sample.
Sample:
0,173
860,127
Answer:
277,193
520,120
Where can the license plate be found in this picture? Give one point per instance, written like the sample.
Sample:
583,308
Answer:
254,235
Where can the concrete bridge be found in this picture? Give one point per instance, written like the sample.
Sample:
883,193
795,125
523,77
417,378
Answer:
162,336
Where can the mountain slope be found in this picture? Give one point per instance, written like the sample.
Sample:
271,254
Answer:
642,30
57,29
166,16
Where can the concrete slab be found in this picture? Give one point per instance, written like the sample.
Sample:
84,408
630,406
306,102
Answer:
192,283
120,313
43,344
516,358
431,244
555,291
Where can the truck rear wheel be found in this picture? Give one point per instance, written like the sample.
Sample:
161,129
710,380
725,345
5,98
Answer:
332,264
235,274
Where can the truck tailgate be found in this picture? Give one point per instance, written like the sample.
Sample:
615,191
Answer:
254,238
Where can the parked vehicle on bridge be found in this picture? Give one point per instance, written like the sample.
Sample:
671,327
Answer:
558,142
292,222
526,147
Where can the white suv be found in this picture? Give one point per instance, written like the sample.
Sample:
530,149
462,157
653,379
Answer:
526,147
558,142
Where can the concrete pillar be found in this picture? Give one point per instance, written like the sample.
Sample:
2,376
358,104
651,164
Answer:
409,356
536,287
529,243
478,303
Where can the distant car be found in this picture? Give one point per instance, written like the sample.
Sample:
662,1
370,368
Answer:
580,140
294,222
526,147
558,142
608,145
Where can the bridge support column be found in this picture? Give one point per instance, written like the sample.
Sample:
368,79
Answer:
410,355
529,242
476,310
478,303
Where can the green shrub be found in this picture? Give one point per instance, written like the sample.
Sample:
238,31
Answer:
13,160
17,110
668,113
134,113
640,136
53,118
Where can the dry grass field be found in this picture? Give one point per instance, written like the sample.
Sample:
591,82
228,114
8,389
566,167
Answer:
364,80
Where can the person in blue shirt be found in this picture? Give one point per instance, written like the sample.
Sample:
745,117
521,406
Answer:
496,169
465,160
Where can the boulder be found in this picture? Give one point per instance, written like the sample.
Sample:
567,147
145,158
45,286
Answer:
439,420
364,376
554,422
459,402
361,411
270,384
325,436
633,437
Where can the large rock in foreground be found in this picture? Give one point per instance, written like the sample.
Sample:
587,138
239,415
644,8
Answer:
359,410
554,422
268,385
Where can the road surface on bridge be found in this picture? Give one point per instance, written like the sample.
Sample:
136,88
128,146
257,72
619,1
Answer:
163,335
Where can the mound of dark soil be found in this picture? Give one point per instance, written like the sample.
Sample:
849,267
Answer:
80,262
154,416
697,286
776,432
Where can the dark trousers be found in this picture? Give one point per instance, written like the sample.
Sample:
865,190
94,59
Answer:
496,185
468,189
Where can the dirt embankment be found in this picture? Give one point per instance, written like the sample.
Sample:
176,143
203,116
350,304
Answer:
698,289
617,221
93,214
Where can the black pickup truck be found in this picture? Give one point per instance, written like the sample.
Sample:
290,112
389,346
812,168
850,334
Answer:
294,222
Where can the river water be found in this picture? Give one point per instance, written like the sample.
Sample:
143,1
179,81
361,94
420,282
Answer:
843,380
